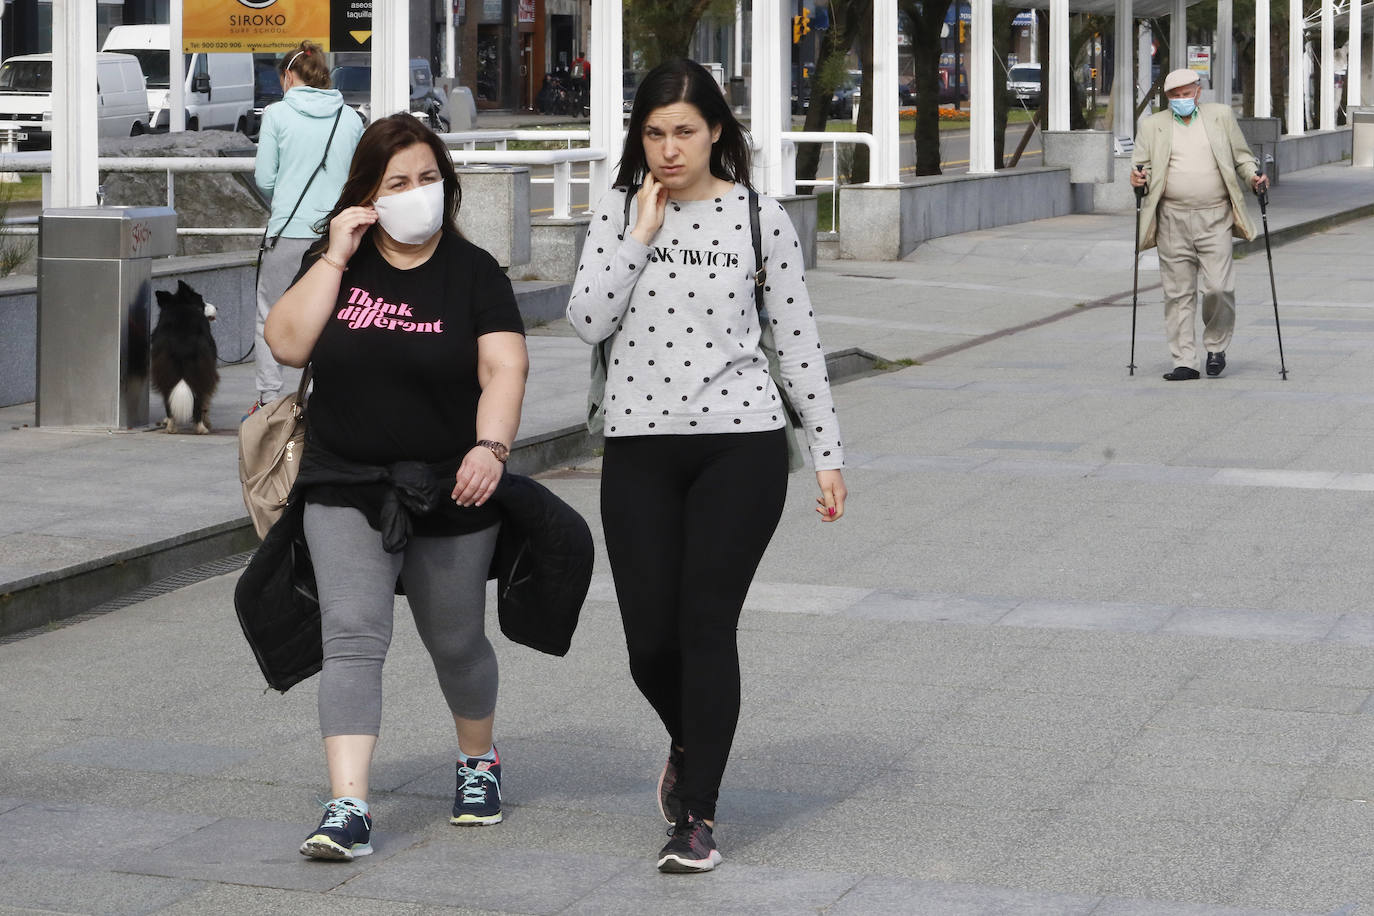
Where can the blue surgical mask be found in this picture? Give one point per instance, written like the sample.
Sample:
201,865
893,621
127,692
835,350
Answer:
1183,107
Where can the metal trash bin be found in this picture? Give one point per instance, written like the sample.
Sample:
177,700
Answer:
735,92
1362,137
94,308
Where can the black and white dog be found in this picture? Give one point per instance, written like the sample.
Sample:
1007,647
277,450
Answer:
184,357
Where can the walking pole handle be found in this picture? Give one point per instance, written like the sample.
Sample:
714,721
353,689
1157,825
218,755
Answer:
1261,192
1141,190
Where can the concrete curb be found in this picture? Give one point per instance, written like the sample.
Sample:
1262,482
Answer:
49,597
1300,230
54,596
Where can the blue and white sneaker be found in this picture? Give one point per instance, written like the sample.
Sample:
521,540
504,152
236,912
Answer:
344,833
477,801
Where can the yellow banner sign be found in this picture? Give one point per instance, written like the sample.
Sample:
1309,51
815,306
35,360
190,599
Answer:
264,26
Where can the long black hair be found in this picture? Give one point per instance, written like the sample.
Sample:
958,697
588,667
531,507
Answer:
684,80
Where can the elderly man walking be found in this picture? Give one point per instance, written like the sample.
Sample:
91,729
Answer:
1194,160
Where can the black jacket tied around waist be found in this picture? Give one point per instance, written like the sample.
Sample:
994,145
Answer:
542,564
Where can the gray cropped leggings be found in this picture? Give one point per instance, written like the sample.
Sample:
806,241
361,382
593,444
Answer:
445,583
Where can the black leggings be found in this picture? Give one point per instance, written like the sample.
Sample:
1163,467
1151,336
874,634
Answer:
687,519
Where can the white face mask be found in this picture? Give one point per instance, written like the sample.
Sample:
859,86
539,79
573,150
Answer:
413,216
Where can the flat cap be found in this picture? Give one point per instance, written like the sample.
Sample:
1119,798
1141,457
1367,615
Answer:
1181,77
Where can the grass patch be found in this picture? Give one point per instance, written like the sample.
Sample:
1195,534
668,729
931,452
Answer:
885,365
541,145
825,211
30,187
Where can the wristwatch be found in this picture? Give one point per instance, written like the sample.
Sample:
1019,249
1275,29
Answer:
500,450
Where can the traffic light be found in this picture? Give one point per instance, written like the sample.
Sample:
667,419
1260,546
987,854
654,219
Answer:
796,29
801,25
805,21
963,34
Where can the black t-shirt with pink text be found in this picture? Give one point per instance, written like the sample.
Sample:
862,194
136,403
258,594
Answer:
395,367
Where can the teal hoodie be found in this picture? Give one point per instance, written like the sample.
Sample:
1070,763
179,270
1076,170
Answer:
290,146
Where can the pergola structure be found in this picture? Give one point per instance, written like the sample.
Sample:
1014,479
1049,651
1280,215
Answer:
74,150
770,92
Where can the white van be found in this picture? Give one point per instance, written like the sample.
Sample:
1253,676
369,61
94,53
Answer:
26,96
219,87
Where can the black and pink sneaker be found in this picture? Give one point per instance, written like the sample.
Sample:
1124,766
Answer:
668,804
691,848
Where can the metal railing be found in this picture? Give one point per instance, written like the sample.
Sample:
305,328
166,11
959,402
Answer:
561,161
789,160
563,177
463,151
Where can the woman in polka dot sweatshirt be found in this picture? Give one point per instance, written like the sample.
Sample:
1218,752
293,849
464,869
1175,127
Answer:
695,470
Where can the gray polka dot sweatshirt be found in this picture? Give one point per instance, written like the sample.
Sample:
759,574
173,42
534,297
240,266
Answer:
685,355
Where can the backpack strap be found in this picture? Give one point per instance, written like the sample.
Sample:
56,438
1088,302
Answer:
630,193
760,271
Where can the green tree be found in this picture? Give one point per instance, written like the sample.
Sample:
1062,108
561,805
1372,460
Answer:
927,18
660,30
835,44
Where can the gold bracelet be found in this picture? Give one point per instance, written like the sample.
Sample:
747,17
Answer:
333,263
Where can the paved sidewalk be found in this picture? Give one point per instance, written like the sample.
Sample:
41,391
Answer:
1085,643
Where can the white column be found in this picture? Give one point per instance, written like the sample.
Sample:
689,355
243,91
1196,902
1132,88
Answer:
74,150
1144,77
1354,58
1178,35
770,91
884,165
607,91
739,39
450,52
1123,71
176,72
1264,99
1328,50
1222,52
1295,69
390,57
1061,68
980,76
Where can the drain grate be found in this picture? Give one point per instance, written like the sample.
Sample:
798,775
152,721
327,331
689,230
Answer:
152,590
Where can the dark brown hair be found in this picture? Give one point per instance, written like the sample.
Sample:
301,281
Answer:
306,63
383,139
684,80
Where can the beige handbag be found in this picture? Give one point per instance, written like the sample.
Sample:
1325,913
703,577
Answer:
271,441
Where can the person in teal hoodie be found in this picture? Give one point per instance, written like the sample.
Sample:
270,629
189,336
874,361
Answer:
304,149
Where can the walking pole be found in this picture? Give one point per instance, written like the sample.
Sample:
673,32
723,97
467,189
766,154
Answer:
1263,195
1135,268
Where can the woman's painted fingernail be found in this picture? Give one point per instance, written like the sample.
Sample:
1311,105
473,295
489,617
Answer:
832,510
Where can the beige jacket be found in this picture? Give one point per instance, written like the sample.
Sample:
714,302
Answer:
1153,143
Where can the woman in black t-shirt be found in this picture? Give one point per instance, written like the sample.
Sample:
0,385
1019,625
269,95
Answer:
419,365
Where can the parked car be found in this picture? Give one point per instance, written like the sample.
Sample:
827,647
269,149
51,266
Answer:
355,84
845,99
952,91
26,97
906,95
1023,85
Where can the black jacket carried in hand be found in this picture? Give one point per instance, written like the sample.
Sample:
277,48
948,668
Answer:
542,567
